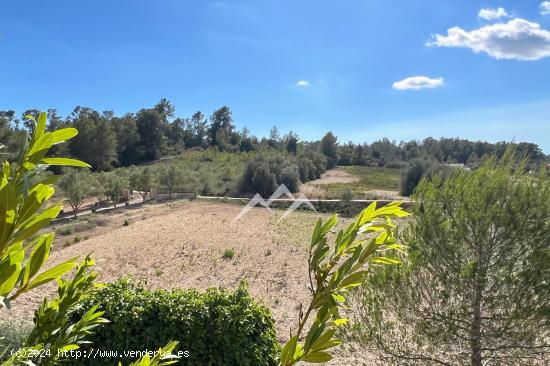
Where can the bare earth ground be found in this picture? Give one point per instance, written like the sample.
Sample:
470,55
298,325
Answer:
317,188
313,189
180,244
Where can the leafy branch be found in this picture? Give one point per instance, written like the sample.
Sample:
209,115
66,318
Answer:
334,270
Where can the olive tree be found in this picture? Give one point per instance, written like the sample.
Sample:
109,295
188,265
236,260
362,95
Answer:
476,290
141,180
170,177
76,185
114,185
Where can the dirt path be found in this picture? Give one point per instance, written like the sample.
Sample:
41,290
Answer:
314,189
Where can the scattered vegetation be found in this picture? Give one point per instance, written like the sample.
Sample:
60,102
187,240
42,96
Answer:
475,290
228,253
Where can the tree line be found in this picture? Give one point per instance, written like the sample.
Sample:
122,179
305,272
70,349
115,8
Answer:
108,141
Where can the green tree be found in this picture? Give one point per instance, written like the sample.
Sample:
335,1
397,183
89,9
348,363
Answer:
127,138
96,142
476,289
114,185
198,125
170,178
76,185
291,142
165,109
221,126
150,129
329,148
141,180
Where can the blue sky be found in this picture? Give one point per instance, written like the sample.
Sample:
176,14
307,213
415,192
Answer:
362,68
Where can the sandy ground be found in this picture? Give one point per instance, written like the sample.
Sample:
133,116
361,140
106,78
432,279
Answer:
314,189
181,244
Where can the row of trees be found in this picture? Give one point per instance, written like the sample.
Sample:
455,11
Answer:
79,184
107,141
267,171
445,150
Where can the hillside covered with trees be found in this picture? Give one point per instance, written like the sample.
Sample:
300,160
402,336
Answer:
108,141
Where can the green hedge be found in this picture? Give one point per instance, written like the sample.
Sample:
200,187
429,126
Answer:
217,327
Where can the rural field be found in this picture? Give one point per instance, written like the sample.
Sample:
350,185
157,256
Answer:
243,183
181,244
361,181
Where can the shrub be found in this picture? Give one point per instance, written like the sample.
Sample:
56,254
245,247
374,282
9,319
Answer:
421,168
217,327
416,169
267,171
65,231
84,226
228,253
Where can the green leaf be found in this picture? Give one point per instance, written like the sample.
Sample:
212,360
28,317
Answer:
64,134
52,274
287,353
316,232
317,357
385,260
39,255
65,162
353,280
9,273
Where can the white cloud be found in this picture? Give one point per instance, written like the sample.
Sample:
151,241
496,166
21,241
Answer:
492,14
417,82
302,83
545,8
518,39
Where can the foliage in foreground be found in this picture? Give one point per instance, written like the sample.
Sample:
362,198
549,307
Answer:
370,240
216,327
476,290
24,210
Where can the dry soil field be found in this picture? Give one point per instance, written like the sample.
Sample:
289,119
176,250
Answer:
181,244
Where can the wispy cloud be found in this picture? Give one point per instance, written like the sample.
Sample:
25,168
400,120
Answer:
518,39
302,83
219,4
417,82
545,8
492,14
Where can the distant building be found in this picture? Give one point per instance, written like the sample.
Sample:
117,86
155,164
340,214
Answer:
458,166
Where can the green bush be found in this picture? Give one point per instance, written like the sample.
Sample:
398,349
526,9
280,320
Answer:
421,168
217,327
228,253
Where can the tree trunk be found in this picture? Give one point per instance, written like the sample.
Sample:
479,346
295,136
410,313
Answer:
475,335
475,332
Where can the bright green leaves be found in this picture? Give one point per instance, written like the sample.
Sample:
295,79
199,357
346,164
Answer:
52,274
336,269
64,162
23,213
42,142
